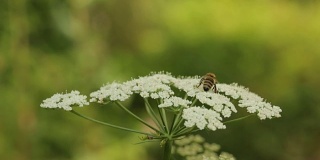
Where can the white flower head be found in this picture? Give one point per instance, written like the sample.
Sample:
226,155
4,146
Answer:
202,117
187,84
184,93
65,101
226,156
218,102
189,139
191,148
175,102
113,92
155,86
251,101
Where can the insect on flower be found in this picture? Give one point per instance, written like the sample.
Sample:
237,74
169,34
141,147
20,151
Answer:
208,82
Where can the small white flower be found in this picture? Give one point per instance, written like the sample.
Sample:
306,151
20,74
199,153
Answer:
197,138
65,101
144,94
113,92
212,147
189,139
226,156
155,86
202,117
187,85
218,102
175,102
195,148
251,101
189,150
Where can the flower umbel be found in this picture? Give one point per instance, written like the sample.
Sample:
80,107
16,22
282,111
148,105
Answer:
65,101
251,101
194,147
202,117
178,106
211,109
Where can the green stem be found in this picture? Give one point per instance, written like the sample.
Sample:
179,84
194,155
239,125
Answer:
185,96
167,150
238,119
152,114
162,121
179,130
163,111
194,101
108,124
173,122
178,122
136,117
185,132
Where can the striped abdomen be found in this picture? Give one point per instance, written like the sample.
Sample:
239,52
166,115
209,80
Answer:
208,82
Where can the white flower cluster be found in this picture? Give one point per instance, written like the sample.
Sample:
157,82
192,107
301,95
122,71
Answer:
202,117
187,84
226,156
65,101
189,139
201,109
194,147
113,91
253,102
155,86
175,102
218,102
214,106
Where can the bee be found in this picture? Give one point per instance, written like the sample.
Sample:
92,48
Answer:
208,82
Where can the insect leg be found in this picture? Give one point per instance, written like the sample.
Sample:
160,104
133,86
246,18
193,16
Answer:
215,88
200,82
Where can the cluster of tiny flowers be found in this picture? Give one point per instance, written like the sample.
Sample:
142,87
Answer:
202,117
155,86
65,101
175,102
251,101
215,105
188,85
194,147
226,156
113,91
218,102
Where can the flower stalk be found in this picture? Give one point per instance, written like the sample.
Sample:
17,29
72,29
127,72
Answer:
152,114
167,150
108,124
136,117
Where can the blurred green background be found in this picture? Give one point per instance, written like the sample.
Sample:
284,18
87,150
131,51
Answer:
50,46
